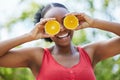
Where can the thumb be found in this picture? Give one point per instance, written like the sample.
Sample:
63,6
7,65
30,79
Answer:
82,25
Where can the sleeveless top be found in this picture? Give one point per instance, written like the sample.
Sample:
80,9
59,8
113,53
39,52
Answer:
51,70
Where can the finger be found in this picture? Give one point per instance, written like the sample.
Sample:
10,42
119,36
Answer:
43,21
72,13
82,25
78,28
48,36
85,25
39,25
46,19
80,16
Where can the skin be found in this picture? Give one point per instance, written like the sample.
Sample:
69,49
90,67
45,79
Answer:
63,51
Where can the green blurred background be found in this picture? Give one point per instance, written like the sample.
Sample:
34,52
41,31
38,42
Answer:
17,16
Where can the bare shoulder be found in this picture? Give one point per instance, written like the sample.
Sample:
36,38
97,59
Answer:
102,50
35,54
31,52
23,57
36,57
90,49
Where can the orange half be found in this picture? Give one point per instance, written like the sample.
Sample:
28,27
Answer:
52,27
71,22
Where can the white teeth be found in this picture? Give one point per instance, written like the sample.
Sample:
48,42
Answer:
64,35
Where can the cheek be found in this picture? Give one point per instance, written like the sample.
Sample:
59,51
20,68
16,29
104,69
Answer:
54,39
72,32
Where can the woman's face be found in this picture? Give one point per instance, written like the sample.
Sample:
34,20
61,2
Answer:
63,38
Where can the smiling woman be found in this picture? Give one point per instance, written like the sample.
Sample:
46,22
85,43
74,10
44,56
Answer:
62,61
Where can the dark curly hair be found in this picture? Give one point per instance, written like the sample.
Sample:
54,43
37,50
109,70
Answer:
42,11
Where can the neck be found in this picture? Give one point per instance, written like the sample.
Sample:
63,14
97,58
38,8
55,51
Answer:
66,50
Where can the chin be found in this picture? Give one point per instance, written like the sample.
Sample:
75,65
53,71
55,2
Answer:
64,44
63,38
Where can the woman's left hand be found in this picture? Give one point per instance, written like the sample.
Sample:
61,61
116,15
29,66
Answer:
84,20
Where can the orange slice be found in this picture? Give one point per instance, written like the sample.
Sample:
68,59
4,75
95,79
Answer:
71,22
52,27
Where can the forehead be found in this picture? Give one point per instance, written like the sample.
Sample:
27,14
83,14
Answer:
56,12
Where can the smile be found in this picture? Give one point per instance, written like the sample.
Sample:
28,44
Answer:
63,35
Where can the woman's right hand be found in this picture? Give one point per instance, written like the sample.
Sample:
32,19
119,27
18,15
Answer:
38,32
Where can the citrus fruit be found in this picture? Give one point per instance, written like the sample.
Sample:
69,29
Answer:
52,27
71,22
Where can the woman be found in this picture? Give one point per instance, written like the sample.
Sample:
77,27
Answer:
63,61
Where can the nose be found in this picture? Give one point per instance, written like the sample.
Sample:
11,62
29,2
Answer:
62,28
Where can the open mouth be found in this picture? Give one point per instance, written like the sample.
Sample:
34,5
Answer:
63,35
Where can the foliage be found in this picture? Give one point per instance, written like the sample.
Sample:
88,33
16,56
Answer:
80,37
15,74
105,70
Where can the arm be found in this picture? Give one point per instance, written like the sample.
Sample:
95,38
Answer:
21,57
10,57
6,45
106,25
88,22
104,49
108,48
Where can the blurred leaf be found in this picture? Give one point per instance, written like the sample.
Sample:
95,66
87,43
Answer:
79,37
106,3
91,9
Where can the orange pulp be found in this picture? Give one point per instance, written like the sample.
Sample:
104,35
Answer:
52,27
71,22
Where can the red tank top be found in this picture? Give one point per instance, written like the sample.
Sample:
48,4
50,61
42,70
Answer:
51,70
